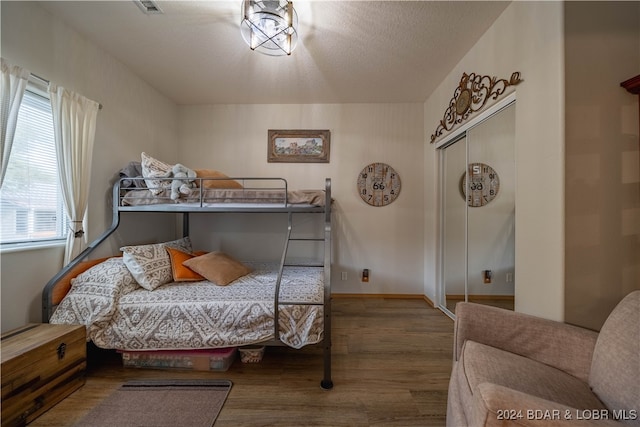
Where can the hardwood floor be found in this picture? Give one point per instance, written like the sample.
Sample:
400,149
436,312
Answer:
506,302
391,367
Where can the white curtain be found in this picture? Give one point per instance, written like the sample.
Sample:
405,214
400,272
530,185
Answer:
14,82
74,124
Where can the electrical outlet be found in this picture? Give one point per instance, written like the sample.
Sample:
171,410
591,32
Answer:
343,276
509,278
486,276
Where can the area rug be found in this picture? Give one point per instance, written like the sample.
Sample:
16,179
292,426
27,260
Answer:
160,403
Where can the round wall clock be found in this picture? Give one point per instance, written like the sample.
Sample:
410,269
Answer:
484,184
379,184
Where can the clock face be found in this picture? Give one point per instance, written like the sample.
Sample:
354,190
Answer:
484,184
378,184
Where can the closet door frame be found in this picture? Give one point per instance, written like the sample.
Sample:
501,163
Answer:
455,136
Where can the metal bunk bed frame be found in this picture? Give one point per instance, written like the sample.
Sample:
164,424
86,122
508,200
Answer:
284,207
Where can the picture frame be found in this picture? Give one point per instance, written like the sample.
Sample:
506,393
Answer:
299,146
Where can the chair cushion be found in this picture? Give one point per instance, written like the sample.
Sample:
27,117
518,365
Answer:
497,406
615,368
484,364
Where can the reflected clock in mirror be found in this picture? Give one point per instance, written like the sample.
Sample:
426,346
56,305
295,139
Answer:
484,184
378,184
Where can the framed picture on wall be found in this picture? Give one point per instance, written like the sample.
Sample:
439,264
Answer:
299,146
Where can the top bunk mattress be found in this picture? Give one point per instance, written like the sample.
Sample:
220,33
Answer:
226,197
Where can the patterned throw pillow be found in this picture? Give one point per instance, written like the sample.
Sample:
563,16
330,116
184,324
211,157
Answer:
92,299
150,265
154,168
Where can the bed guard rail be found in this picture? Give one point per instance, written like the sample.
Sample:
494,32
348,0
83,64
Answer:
201,192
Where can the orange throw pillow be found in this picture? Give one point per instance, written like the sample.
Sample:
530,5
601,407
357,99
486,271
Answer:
215,183
180,272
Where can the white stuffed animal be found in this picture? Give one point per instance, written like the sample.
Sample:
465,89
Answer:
184,181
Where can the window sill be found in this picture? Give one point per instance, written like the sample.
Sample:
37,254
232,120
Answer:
30,246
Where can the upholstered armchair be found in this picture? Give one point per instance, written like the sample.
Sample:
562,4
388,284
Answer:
512,369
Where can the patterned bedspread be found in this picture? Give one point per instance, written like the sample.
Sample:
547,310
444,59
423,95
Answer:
119,314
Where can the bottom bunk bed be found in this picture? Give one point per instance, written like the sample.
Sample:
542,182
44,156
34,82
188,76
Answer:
120,314
146,300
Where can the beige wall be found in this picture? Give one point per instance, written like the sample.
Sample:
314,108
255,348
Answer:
602,49
527,37
387,240
135,118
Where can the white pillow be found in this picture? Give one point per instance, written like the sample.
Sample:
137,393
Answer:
154,168
150,265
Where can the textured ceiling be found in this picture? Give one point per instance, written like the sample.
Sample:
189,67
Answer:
348,51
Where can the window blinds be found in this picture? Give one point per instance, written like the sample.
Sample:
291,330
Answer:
31,202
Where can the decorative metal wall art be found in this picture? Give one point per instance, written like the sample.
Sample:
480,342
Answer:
471,96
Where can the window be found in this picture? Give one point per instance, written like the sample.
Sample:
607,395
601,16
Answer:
31,205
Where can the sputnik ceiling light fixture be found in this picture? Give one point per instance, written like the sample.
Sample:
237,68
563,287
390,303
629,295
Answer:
270,26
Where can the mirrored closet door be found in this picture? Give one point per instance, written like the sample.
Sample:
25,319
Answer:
477,218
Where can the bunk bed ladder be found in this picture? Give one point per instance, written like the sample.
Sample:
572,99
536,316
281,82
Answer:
326,383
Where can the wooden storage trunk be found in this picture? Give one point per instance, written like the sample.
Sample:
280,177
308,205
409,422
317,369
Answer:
41,365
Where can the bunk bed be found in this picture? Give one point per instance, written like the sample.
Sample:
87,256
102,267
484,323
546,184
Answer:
285,303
